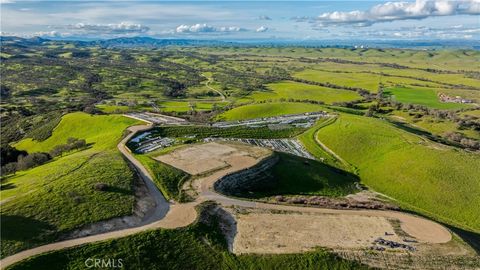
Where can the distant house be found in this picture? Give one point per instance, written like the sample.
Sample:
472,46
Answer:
457,99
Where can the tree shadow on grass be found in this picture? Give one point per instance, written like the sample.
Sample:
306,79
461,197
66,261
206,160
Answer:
19,228
7,186
119,190
423,133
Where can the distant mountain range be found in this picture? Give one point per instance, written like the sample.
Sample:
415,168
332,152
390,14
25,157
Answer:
118,42
149,42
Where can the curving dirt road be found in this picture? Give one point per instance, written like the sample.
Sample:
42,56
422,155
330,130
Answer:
173,215
207,84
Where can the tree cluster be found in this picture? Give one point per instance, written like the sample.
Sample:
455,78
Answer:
459,138
25,162
72,144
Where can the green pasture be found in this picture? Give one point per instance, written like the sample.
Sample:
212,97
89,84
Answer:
113,108
307,138
367,81
259,110
300,91
421,96
187,105
430,178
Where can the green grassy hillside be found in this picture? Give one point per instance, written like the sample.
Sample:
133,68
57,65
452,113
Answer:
421,96
168,179
43,202
363,80
433,179
267,110
303,91
294,175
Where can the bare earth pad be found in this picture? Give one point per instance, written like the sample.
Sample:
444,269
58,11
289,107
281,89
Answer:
209,157
279,233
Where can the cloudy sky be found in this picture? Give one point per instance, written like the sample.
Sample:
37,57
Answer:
229,20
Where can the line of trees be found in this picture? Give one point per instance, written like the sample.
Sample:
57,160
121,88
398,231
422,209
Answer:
14,160
72,144
25,162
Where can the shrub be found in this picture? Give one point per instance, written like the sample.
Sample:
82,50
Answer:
100,186
32,160
9,168
72,144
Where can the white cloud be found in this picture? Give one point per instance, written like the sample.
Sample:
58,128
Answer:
43,34
204,28
47,34
419,32
7,1
262,29
392,11
123,27
264,17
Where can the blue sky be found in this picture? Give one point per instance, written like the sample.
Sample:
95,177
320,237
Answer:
229,20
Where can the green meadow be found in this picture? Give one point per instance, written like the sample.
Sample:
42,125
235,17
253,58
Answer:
42,203
421,96
259,110
300,91
370,82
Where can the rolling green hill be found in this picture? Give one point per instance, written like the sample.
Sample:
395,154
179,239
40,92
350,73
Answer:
42,203
301,91
293,175
436,180
267,110
421,96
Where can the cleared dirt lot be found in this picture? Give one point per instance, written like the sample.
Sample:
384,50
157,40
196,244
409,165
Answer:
297,232
209,157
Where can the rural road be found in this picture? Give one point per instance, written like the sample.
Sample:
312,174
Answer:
207,84
175,215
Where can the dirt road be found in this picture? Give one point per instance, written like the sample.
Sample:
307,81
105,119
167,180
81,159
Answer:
207,84
173,215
